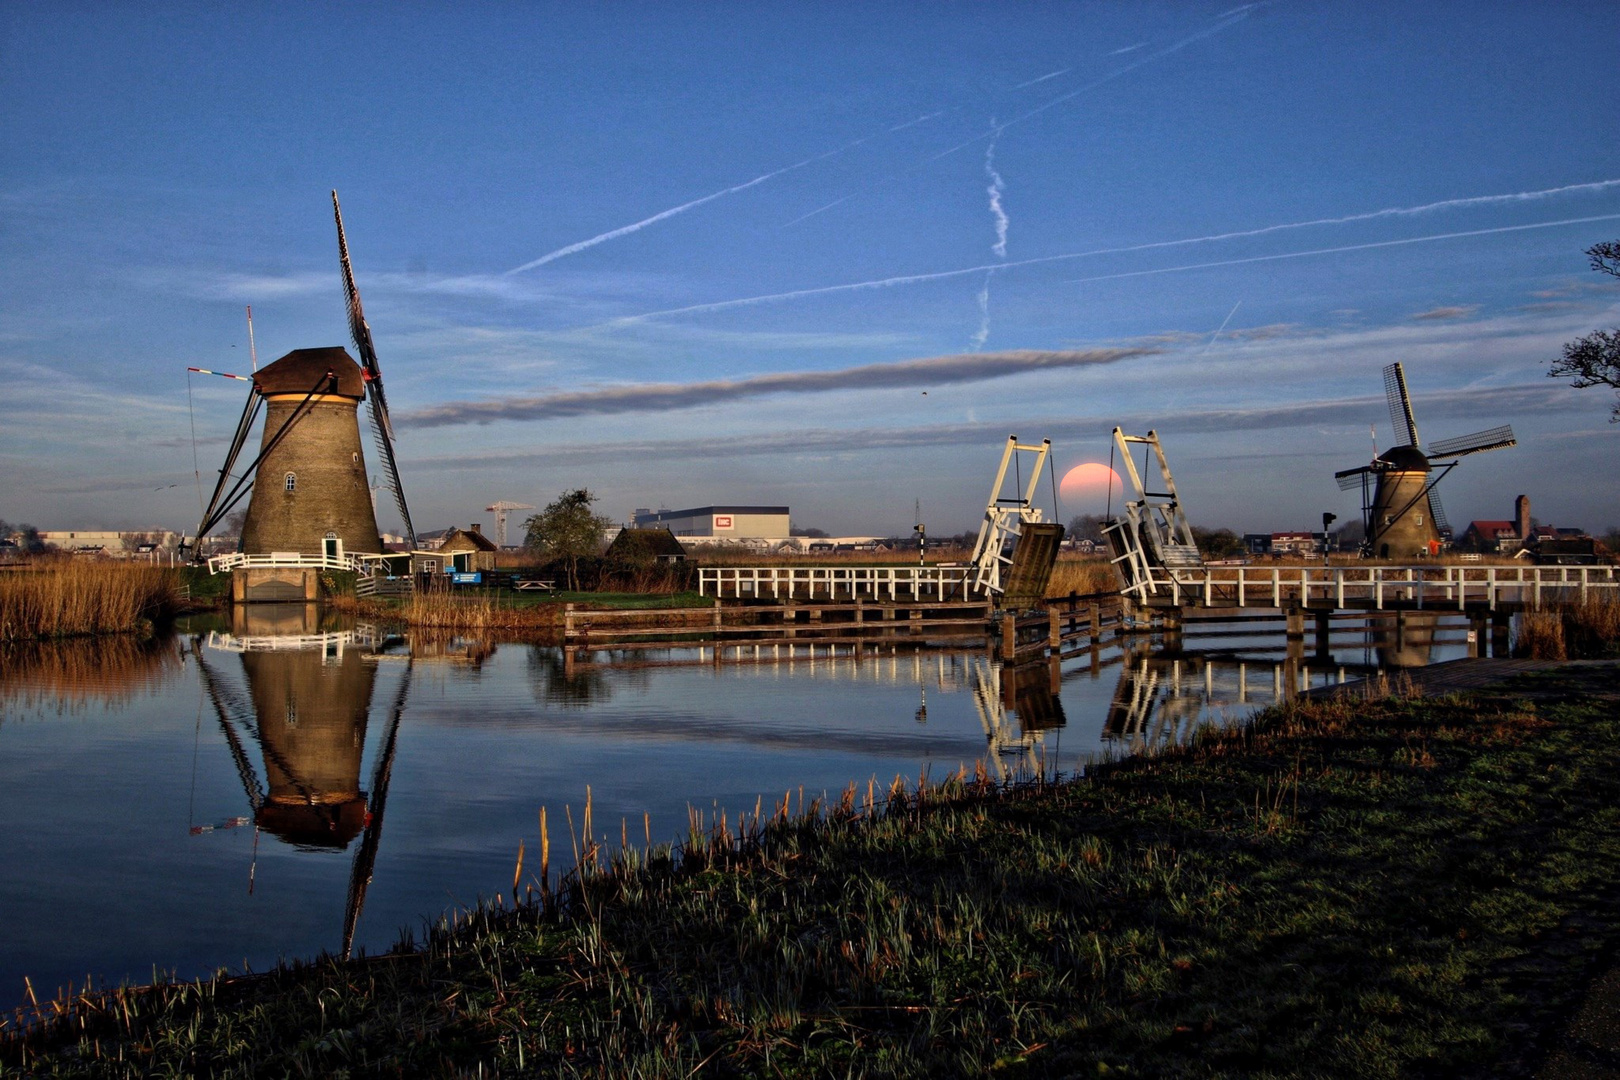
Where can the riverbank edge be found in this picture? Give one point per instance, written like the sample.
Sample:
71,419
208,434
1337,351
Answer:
1401,885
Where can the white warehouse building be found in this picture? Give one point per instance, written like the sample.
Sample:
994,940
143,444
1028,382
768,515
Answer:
719,522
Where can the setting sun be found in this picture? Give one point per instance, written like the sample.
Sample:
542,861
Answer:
1087,484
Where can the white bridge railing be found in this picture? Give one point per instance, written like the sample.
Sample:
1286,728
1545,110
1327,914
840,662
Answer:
1434,586
220,564
332,643
878,583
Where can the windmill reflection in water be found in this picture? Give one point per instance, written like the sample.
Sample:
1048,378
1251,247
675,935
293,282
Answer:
309,699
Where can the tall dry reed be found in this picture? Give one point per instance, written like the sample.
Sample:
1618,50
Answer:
51,598
448,611
1583,630
1083,576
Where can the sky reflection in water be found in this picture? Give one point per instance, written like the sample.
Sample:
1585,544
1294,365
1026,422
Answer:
132,842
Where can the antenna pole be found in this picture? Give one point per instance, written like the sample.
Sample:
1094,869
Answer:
253,350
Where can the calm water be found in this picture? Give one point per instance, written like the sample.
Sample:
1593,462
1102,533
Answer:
217,798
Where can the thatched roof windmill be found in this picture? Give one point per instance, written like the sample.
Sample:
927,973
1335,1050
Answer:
307,489
1400,508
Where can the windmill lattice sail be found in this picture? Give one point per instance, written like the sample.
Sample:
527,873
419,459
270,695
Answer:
360,332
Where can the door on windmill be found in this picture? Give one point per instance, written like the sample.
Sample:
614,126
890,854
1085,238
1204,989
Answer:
332,546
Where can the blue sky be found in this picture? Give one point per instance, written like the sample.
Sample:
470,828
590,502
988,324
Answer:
1052,218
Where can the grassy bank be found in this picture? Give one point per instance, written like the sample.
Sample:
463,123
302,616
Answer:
51,598
1396,887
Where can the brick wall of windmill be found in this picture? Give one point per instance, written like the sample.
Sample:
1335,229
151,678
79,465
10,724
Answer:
324,455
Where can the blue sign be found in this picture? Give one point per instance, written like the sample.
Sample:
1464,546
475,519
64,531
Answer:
459,578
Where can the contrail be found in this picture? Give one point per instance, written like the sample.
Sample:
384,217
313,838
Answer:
1235,16
994,190
1043,78
1128,48
1231,19
625,230
1221,327
1349,247
984,313
914,279
999,248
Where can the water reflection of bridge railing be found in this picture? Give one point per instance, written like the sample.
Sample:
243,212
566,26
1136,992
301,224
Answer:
853,661
331,642
1029,695
1162,700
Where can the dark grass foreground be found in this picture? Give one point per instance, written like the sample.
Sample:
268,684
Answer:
1405,886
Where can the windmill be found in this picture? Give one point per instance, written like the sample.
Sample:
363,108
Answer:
1400,508
500,510
317,501
307,710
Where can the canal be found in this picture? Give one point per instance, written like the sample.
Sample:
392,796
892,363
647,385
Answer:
231,795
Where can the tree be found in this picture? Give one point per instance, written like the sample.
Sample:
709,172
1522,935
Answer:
1086,527
567,530
1594,360
1217,543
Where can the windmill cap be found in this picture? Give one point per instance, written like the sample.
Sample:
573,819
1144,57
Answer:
1405,459
303,370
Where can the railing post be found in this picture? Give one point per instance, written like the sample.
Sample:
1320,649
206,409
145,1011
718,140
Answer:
1054,630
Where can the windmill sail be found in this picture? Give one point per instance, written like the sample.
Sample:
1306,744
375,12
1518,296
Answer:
1437,513
1400,403
360,332
1495,438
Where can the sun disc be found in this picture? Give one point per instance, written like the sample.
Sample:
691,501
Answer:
1087,483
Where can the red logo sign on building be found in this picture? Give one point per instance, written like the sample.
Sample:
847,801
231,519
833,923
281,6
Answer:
722,521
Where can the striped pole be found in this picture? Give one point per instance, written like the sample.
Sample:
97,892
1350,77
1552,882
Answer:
221,374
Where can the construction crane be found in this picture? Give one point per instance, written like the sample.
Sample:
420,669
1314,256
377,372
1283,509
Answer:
500,510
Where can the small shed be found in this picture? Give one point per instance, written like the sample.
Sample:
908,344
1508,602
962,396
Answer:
643,547
468,549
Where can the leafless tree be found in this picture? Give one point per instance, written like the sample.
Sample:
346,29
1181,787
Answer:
1594,360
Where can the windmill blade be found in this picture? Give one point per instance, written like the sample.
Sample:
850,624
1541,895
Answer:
1400,403
365,857
1351,478
360,332
1437,513
1496,438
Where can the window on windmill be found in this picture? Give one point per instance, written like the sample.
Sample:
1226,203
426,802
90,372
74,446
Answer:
292,481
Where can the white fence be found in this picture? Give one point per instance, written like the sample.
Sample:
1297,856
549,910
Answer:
220,564
1448,586
878,583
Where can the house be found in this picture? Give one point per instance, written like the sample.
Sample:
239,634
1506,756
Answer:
1491,535
468,549
642,547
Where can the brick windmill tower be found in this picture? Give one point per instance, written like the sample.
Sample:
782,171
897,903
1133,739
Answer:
307,491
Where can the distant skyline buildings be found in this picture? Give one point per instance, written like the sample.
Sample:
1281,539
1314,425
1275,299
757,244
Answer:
823,256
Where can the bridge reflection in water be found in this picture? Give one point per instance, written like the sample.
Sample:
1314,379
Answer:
298,717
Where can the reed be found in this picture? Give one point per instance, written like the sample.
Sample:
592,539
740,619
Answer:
50,598
1082,575
1586,629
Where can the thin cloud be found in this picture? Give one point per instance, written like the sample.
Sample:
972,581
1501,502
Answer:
1471,202
1463,406
1455,311
661,397
1348,247
1222,23
626,230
